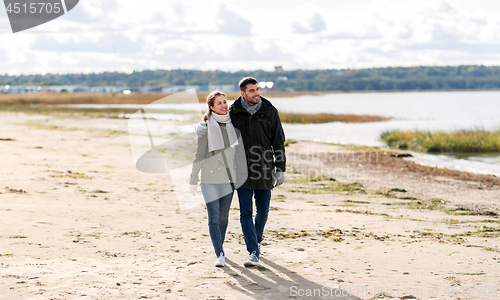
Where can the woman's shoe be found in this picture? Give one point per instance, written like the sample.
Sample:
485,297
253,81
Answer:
221,260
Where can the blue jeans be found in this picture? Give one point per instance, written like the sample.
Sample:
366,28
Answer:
253,232
218,199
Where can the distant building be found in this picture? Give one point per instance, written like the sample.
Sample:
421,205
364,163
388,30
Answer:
223,87
178,88
65,89
278,68
81,89
146,89
107,89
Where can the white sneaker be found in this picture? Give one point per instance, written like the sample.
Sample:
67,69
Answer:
252,260
260,249
221,260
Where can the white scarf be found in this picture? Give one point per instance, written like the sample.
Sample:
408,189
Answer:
215,140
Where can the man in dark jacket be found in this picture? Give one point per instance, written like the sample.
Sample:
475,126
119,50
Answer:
263,138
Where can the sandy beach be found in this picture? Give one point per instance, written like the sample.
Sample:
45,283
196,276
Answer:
78,221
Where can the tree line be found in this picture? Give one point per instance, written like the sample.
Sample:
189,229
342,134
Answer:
389,78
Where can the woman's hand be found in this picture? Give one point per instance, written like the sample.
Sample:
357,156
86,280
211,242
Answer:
193,188
201,128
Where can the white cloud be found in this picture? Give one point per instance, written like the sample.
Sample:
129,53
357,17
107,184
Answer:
103,43
232,35
314,24
230,22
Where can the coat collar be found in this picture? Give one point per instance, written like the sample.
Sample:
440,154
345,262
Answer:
236,107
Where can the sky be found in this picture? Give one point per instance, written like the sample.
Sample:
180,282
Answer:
127,35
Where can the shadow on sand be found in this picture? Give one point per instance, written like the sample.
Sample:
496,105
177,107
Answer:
272,281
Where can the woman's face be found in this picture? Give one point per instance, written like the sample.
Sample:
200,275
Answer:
220,105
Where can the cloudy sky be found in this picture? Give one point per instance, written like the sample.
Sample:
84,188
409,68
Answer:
126,35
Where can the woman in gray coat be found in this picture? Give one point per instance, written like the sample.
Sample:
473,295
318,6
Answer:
215,156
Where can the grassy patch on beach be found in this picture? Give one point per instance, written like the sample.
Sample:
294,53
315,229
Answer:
289,142
483,232
335,187
359,212
416,205
317,178
394,193
453,222
453,280
465,211
279,198
354,201
439,204
327,118
491,249
463,141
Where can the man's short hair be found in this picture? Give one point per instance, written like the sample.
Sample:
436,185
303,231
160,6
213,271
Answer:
246,81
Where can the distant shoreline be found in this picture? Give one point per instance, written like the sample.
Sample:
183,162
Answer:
47,103
141,98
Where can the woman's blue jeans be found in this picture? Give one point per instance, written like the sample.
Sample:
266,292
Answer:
218,199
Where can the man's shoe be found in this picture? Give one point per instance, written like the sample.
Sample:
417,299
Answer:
260,249
252,260
221,260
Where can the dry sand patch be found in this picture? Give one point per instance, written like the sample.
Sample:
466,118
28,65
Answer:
79,221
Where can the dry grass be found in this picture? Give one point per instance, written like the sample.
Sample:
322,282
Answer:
117,98
326,118
43,99
460,141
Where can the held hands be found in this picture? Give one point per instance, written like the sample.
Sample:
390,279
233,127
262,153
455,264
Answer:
278,178
192,189
201,128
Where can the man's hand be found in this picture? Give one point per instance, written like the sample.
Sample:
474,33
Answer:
201,128
192,189
278,178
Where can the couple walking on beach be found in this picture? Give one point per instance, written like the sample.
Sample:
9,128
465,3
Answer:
239,148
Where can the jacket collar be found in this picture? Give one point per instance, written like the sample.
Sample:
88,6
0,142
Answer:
238,108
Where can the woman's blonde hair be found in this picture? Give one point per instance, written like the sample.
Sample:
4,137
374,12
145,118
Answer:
210,102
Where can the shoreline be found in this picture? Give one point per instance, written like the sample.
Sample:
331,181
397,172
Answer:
146,98
78,220
393,159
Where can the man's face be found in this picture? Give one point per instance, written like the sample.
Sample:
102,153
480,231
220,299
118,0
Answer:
252,94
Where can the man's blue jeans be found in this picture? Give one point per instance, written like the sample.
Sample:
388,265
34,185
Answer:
253,231
218,211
